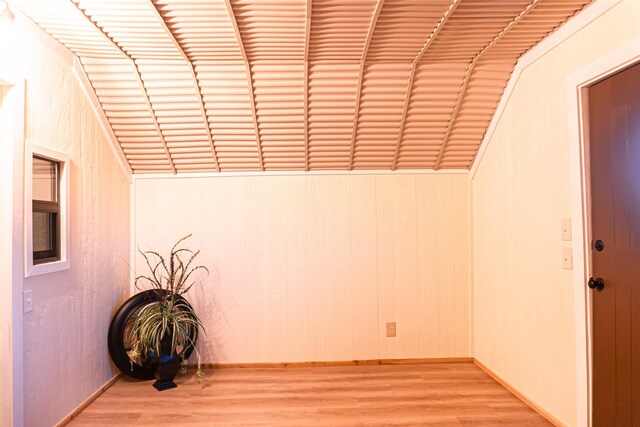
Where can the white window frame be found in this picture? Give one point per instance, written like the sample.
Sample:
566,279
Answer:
64,262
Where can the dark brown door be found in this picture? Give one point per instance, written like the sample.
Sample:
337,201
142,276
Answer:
614,126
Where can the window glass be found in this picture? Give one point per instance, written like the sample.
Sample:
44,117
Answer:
45,180
44,231
45,209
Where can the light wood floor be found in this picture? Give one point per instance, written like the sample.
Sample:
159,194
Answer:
449,394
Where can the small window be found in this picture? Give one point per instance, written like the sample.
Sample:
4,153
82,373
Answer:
45,210
46,221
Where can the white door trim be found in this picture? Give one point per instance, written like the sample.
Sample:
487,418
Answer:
11,178
577,89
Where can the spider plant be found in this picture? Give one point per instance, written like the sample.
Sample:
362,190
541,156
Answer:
170,315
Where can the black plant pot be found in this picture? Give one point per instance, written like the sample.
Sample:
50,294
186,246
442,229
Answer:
120,338
166,366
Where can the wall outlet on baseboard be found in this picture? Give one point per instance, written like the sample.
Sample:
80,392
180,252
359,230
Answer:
391,329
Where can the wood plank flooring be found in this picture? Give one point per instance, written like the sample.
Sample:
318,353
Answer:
448,394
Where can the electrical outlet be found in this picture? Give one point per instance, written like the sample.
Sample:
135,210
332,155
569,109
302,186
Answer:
391,329
566,229
27,301
567,259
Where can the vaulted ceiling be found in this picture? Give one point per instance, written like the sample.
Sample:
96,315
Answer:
266,85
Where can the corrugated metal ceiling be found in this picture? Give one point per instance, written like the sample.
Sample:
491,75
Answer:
264,85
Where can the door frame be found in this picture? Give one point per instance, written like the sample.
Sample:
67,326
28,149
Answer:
11,249
578,84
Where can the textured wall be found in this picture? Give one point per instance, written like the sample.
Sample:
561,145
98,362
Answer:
524,312
65,354
309,268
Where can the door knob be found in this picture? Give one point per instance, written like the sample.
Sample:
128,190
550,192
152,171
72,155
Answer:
596,283
598,245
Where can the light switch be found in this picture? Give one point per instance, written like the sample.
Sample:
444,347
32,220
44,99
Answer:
27,301
567,259
566,229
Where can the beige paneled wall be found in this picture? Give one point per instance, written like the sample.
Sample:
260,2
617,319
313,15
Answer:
524,312
310,267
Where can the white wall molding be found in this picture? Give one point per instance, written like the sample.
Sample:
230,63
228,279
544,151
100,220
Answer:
470,233
302,173
133,250
581,20
577,103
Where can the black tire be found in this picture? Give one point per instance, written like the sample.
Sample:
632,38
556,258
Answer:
123,318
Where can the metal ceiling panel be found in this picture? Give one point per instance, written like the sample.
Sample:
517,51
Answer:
299,85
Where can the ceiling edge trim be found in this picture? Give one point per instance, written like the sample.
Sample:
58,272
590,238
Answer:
301,173
566,30
90,94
